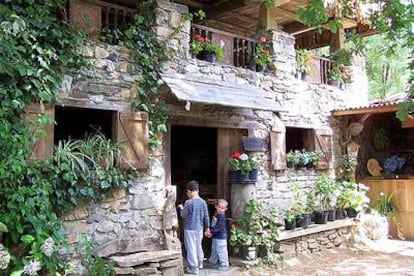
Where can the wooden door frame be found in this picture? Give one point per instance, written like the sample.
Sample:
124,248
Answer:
208,123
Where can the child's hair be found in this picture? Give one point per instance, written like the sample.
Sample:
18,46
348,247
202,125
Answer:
193,186
222,203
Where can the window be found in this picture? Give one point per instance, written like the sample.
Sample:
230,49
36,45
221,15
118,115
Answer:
299,138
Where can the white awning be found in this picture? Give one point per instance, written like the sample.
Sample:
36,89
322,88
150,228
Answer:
220,93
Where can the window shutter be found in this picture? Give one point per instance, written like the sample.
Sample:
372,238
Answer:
278,146
323,142
132,130
44,146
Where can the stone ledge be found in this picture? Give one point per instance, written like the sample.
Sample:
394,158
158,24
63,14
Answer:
315,228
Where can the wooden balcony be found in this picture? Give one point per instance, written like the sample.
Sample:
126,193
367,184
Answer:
237,50
320,70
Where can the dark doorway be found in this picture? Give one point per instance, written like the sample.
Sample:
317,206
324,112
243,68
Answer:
194,157
76,123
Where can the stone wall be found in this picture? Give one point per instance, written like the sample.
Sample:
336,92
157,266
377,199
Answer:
316,238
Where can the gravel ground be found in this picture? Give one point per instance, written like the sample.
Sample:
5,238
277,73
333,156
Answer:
386,257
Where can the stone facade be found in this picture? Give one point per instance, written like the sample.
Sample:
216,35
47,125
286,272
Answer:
138,211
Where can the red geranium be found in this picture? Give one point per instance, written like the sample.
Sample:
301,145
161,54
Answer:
235,155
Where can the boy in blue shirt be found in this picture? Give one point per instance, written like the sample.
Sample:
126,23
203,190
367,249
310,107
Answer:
196,219
218,232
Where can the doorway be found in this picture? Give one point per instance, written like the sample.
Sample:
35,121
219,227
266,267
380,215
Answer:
194,157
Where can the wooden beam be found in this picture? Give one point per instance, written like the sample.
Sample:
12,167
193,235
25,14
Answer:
222,8
215,123
191,3
297,28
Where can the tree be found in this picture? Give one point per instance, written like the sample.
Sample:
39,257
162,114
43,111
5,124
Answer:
392,18
387,74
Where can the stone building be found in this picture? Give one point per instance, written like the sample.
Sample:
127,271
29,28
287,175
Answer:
214,109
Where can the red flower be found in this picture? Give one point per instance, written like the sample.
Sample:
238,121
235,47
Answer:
235,155
266,51
262,39
233,226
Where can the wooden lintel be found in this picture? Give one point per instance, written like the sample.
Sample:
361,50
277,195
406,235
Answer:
191,3
297,28
215,123
371,110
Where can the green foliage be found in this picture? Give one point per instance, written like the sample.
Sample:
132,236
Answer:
95,266
393,19
149,53
83,171
386,205
387,74
303,57
255,227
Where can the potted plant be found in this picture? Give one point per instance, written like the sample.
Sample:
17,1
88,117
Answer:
290,218
314,157
303,67
261,55
292,159
203,48
234,166
386,205
254,229
323,191
335,76
343,60
304,158
240,168
254,164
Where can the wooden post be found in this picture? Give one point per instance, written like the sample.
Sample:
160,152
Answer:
267,16
337,41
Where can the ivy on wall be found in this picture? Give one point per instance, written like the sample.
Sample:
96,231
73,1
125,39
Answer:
35,46
150,54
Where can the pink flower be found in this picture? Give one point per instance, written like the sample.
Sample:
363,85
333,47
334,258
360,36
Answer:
262,39
222,43
266,51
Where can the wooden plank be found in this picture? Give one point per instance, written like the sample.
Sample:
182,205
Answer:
216,123
132,129
44,146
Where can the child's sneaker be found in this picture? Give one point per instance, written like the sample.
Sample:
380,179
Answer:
189,270
223,268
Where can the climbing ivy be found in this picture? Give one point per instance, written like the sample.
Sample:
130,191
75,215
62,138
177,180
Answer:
150,54
35,46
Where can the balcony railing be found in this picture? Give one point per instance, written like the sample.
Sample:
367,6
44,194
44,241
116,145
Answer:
237,49
320,69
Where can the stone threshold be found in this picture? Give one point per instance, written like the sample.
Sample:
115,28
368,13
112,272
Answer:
315,228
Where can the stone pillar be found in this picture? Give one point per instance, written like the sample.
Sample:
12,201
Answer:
172,29
282,46
240,194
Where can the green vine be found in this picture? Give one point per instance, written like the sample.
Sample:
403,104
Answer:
149,53
36,46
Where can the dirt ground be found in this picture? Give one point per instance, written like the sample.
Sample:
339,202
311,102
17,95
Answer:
386,257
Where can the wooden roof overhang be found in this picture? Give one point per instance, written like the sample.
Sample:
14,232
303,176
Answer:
366,110
241,17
